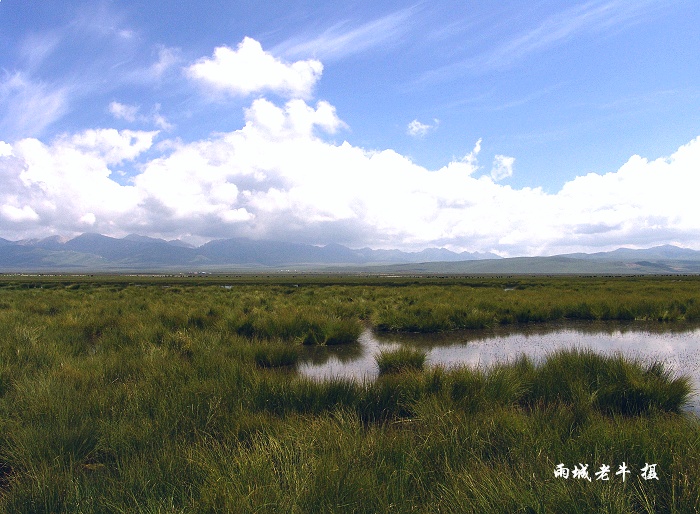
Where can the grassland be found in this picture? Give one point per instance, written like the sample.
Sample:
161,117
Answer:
177,394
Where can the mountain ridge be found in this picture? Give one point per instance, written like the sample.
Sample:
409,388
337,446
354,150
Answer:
138,252
97,252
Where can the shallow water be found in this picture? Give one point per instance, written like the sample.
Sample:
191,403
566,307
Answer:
678,347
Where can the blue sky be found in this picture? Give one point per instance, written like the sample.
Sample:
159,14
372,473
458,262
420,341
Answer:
520,128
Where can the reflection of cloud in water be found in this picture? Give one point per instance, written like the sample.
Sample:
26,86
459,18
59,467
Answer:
678,347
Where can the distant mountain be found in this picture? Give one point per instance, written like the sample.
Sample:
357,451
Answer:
266,253
182,244
134,252
49,243
129,253
145,239
557,265
665,252
274,253
16,257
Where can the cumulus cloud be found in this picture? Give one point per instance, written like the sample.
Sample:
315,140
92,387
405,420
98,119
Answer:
296,119
418,129
249,69
5,149
502,167
16,214
88,218
110,145
279,177
471,158
56,185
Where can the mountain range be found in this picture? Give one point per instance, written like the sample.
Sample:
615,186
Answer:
136,253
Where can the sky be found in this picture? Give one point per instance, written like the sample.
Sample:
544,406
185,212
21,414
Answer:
519,128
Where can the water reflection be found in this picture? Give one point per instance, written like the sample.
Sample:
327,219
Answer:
343,354
678,347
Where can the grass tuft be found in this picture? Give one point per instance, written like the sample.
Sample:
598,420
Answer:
269,355
400,360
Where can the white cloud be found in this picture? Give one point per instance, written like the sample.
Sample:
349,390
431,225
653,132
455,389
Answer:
342,39
161,122
124,112
18,215
418,129
235,215
167,59
5,149
471,158
110,145
249,69
57,186
88,219
502,167
36,48
28,107
276,177
579,20
589,17
297,119
131,114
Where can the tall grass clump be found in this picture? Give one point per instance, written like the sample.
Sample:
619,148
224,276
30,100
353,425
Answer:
270,355
612,384
304,324
400,360
473,389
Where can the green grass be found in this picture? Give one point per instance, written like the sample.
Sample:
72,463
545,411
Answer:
144,398
400,360
276,355
613,384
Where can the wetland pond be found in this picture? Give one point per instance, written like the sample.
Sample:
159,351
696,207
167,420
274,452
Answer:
676,346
